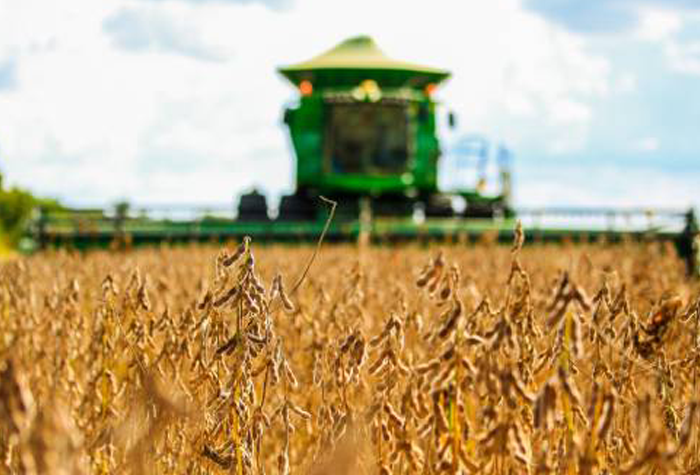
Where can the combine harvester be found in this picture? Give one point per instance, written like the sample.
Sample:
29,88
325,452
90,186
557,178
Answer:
364,135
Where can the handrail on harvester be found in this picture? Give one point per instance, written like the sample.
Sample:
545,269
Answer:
136,211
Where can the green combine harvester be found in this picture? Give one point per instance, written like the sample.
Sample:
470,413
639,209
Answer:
364,135
364,132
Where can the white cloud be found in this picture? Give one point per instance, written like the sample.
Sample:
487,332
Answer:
666,27
650,18
684,57
625,82
519,104
268,3
153,29
568,111
646,144
657,24
608,186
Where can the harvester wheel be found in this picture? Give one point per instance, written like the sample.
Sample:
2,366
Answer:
296,208
392,206
480,210
252,207
438,207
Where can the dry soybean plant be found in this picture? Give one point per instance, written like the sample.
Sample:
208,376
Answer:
385,360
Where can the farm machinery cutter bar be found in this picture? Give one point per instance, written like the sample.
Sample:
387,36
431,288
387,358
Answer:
83,229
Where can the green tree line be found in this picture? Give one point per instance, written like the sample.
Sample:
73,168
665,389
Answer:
16,208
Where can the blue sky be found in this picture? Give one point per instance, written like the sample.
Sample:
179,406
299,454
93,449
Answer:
177,101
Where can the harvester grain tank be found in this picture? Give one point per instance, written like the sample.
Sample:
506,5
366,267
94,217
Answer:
364,130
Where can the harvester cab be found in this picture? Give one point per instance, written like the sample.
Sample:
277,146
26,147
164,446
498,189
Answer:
364,128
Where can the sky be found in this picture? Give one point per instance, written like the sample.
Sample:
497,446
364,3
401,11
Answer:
178,101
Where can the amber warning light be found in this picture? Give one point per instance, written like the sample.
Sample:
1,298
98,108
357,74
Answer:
306,88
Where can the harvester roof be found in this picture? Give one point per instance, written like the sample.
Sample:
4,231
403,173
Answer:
357,59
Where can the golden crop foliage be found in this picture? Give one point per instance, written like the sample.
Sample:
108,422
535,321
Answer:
453,359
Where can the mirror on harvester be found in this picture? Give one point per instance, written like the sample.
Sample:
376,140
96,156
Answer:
452,119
